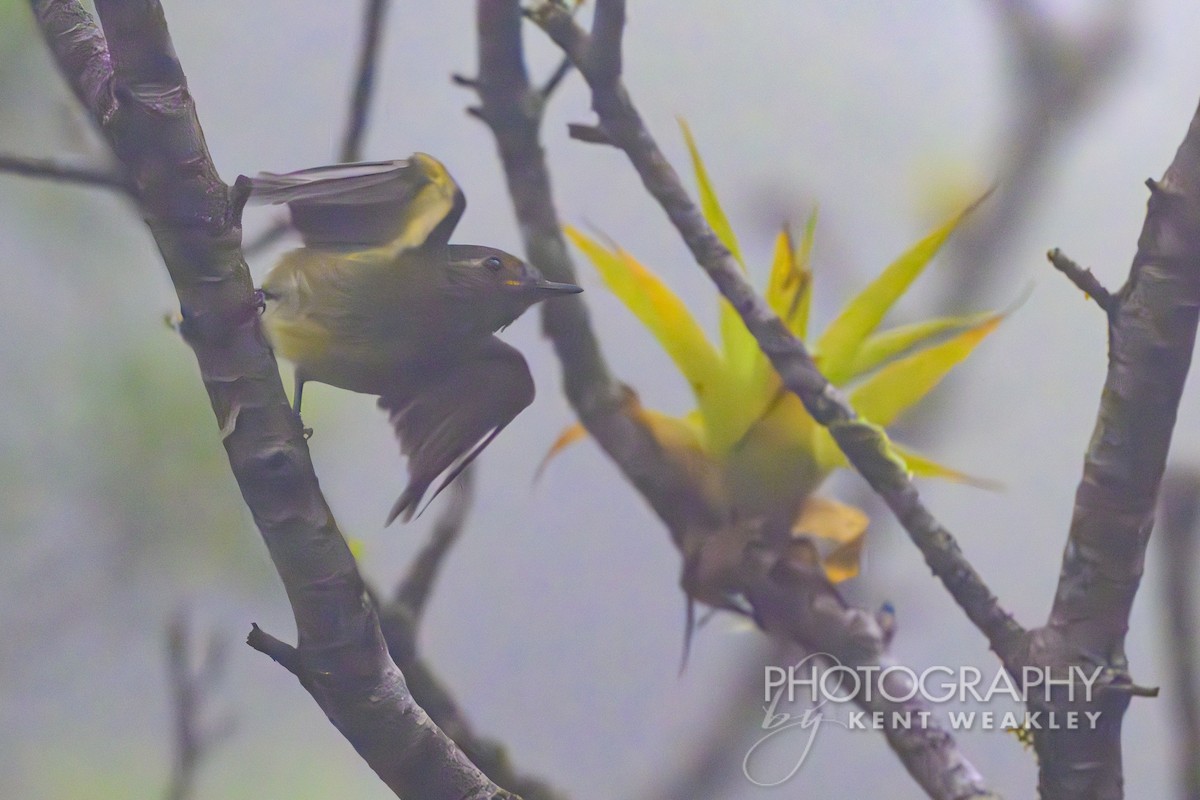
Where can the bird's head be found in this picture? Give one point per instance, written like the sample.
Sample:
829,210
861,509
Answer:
500,286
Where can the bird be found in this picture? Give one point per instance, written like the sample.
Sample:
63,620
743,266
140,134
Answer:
378,301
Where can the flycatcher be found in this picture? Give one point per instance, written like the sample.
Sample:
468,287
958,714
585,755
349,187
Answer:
378,301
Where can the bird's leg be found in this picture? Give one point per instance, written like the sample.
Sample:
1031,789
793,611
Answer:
297,395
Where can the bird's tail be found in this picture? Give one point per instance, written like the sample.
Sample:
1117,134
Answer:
406,504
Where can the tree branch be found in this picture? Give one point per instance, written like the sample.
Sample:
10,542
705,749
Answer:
598,59
1152,331
364,82
799,606
417,585
191,685
375,11
606,407
135,89
400,621
56,170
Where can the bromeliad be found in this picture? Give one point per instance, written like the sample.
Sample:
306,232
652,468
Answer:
750,442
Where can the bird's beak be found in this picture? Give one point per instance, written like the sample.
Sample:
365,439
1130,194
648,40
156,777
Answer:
548,288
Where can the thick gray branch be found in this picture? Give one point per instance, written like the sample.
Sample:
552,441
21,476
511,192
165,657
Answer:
1152,330
135,89
797,605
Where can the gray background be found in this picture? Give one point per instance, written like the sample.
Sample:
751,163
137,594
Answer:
558,622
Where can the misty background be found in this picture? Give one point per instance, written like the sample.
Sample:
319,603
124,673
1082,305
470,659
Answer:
558,620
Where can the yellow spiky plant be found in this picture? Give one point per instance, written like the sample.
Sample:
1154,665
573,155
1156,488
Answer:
749,438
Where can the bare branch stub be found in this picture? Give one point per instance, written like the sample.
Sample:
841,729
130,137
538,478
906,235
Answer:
279,651
1083,278
593,134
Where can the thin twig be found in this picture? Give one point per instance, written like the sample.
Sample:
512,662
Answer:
400,620
561,71
273,233
374,13
56,170
368,58
191,686
417,585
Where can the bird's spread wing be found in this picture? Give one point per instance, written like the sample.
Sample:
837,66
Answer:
446,413
397,205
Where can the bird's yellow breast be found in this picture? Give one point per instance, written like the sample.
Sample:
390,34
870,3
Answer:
346,319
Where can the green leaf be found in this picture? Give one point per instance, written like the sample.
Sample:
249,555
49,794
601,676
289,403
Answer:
797,319
709,205
665,315
925,467
839,344
789,288
901,384
736,342
882,347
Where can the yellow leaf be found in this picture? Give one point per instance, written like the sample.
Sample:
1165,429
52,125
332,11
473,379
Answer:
798,321
682,442
881,347
925,467
790,284
737,344
660,310
772,466
843,525
862,315
826,452
901,384
709,204
789,292
565,439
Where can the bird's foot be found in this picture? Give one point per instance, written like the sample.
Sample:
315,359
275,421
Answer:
306,433
260,300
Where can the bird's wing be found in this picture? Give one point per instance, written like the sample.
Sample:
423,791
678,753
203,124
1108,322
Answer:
445,414
397,205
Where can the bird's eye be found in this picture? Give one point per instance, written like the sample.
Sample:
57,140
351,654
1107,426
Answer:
493,263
